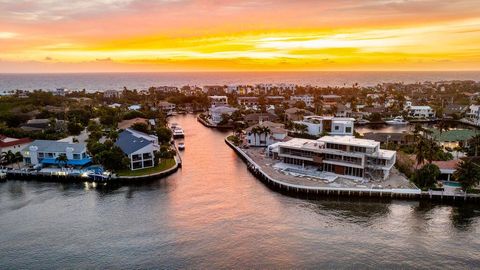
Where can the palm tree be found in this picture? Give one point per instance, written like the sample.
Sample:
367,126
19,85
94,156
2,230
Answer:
18,157
420,150
468,174
266,131
62,160
8,157
255,131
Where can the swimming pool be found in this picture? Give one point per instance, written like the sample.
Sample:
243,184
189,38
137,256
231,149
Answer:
451,184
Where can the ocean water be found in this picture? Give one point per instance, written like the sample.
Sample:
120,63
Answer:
213,214
103,81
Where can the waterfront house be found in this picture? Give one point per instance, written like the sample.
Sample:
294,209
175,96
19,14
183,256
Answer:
345,156
265,133
13,144
138,147
394,138
317,125
166,107
46,152
217,113
473,114
218,101
419,111
455,109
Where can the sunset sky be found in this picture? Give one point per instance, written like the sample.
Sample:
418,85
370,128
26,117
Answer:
231,35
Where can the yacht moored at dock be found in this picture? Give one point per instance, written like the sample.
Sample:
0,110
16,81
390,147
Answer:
397,121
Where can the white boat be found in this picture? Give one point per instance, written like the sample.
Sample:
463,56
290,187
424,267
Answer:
362,121
397,121
181,146
178,132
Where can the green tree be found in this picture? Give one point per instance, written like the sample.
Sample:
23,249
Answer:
426,177
74,128
468,174
62,160
142,127
8,157
164,135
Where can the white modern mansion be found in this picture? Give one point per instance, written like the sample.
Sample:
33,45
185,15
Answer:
327,124
345,156
473,114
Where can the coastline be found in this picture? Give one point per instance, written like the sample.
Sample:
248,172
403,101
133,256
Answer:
44,177
317,191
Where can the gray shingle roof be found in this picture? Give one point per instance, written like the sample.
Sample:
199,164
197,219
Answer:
129,143
55,146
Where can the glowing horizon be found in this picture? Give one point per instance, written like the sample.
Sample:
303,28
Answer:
184,35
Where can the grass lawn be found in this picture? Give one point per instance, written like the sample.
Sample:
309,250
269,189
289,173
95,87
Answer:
164,165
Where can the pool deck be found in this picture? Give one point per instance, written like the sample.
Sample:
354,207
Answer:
397,186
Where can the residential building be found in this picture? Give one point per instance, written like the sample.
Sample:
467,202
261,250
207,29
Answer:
331,99
216,113
296,114
218,101
138,147
307,99
112,94
46,152
247,101
343,111
255,118
473,114
419,111
13,144
273,100
390,138
166,107
60,92
317,125
166,89
344,156
214,89
257,135
44,124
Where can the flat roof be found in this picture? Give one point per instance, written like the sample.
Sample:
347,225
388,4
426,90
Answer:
326,117
299,143
388,154
349,140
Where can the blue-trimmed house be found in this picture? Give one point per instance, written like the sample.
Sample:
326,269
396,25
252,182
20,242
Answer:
46,152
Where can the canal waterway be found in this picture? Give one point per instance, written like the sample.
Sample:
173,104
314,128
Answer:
213,214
